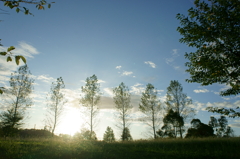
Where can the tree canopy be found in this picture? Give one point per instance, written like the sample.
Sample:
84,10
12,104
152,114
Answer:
213,28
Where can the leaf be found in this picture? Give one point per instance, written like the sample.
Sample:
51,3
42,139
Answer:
10,48
1,92
40,7
49,5
23,59
9,58
17,10
3,53
17,58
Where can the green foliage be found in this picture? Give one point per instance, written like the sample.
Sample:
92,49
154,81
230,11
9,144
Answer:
228,112
213,28
90,99
126,136
179,103
199,129
151,107
109,135
17,4
55,104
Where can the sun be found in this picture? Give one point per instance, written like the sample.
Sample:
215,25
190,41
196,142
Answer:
71,122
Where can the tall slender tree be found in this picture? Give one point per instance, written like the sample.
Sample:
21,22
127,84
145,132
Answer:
179,103
55,104
90,99
122,100
17,98
151,107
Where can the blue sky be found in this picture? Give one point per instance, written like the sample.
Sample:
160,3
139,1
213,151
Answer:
134,42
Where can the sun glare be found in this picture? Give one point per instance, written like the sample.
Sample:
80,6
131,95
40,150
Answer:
71,122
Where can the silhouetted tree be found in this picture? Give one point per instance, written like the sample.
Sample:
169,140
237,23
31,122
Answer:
221,126
199,129
85,134
126,136
90,99
109,135
17,99
151,107
213,28
172,121
55,104
123,106
179,103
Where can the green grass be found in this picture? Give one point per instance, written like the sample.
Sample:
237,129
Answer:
168,148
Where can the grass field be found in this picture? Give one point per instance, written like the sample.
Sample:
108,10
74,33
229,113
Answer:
208,148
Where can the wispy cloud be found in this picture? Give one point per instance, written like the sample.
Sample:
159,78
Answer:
45,78
109,91
150,63
126,73
137,89
118,67
170,61
200,90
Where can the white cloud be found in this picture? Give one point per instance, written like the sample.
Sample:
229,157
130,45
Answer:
109,91
137,89
101,81
126,73
170,61
45,78
118,67
153,65
200,90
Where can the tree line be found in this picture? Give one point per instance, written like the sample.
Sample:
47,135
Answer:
173,114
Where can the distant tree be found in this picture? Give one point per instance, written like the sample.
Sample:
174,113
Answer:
122,100
109,135
17,99
90,99
85,134
17,4
151,107
126,136
55,104
172,121
213,28
221,126
179,103
199,129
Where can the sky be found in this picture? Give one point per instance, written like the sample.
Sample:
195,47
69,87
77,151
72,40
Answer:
130,41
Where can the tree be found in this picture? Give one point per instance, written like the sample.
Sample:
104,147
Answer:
109,135
179,103
221,126
17,98
90,99
199,129
151,107
213,28
55,104
85,134
126,136
17,4
172,121
123,106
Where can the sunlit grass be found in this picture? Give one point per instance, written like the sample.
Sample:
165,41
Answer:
167,148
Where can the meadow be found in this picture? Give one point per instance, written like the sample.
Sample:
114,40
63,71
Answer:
211,148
